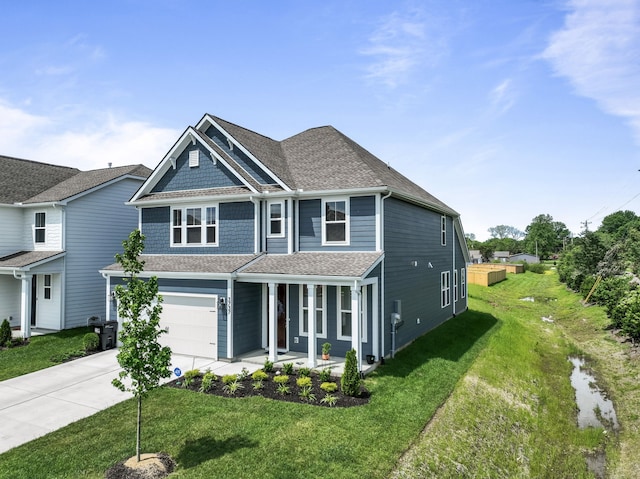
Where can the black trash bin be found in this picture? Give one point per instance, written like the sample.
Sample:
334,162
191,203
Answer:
106,331
109,335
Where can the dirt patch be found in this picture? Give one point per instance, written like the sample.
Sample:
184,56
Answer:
150,466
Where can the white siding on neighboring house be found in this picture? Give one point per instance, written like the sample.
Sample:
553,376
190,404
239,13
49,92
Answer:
10,299
12,232
96,225
53,229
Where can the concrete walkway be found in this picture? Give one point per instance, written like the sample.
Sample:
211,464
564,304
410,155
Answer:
38,403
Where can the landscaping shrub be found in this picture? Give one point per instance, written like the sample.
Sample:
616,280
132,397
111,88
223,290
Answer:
90,341
630,319
207,381
305,372
190,376
537,268
304,382
329,387
350,380
283,379
259,375
268,366
5,333
325,375
287,368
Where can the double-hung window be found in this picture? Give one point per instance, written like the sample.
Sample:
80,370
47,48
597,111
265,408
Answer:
445,289
455,285
463,282
320,306
345,313
276,220
194,226
335,221
40,227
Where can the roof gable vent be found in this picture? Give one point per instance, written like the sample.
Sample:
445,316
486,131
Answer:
194,158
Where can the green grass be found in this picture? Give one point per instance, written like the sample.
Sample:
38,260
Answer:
212,436
513,415
38,353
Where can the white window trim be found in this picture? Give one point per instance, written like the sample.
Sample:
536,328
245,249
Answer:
38,228
463,282
363,322
455,285
269,220
347,218
322,307
203,226
445,289
443,230
194,158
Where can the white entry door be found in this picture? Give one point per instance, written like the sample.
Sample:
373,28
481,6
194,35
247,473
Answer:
192,322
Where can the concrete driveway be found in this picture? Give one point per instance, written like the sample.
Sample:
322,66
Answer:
38,403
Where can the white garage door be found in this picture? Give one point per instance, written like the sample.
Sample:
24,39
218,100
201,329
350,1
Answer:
192,321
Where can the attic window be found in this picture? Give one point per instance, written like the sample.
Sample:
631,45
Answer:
194,158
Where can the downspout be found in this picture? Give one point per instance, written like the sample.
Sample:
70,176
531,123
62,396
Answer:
455,270
256,224
63,282
382,276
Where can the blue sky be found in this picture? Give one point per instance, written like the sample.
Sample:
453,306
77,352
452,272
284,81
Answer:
502,109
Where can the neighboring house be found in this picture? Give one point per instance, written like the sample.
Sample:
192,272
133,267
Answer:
59,226
526,257
475,257
284,245
501,256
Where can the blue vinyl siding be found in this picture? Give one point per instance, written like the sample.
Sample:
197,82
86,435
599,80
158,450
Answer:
247,317
243,160
279,245
206,175
236,231
413,234
96,225
362,225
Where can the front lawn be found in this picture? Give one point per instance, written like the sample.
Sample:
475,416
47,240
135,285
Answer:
40,351
211,436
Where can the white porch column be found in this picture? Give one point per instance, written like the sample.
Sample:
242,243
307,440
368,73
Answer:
311,325
25,306
356,325
107,312
273,323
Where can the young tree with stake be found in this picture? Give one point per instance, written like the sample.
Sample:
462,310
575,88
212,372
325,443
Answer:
143,360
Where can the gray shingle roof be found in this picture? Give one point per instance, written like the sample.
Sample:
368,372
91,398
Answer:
26,181
86,180
190,263
25,258
323,158
21,179
347,264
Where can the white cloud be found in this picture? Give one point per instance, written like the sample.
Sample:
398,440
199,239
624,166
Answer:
598,51
401,43
80,143
503,97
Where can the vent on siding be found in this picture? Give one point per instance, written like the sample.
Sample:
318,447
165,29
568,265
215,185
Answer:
194,158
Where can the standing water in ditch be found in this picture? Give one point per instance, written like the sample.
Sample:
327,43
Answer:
594,410
594,407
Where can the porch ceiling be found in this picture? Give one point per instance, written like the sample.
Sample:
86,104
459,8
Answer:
27,259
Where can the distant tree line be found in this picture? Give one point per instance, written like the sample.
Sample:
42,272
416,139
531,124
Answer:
544,237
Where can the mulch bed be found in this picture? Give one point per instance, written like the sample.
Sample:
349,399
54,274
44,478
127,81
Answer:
270,390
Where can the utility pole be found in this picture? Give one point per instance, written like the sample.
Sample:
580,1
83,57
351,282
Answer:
586,225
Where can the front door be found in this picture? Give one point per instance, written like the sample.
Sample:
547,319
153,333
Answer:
282,317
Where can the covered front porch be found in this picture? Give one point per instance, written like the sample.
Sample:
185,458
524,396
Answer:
300,360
